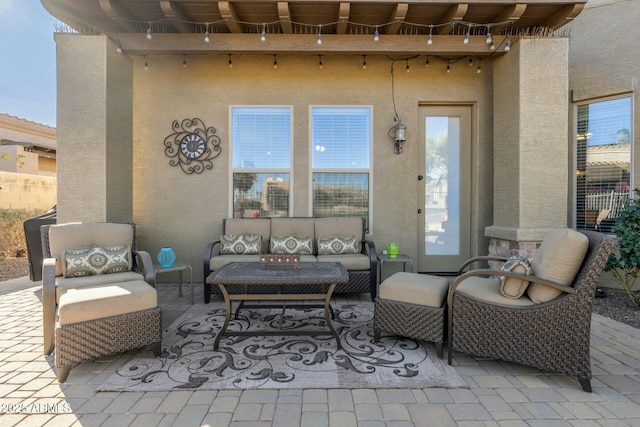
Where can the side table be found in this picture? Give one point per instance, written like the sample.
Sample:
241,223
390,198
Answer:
404,259
179,267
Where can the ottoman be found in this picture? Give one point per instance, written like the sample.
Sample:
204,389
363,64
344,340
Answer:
413,306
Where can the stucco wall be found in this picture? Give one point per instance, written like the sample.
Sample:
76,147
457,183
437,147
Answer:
186,211
25,191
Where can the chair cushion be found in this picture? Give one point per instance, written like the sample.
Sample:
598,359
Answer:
244,244
558,259
420,289
221,260
63,284
338,245
81,305
488,289
352,262
293,227
339,226
99,260
511,287
291,245
86,235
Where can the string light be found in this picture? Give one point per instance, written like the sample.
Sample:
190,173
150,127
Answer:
492,46
448,67
230,62
146,64
206,34
489,38
184,61
119,47
275,61
320,61
470,61
407,67
479,70
263,36
364,62
426,63
430,40
466,37
507,47
376,35
149,36
319,34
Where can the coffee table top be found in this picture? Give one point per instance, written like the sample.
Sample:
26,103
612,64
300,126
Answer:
248,273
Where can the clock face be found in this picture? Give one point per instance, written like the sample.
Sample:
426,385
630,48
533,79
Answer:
192,146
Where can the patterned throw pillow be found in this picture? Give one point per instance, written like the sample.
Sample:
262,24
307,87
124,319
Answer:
511,287
338,245
90,261
246,244
291,245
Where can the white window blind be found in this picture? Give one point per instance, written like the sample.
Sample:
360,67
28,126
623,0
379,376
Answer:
261,137
603,160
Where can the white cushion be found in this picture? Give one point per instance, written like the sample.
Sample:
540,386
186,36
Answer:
488,289
558,259
80,305
420,289
351,262
511,287
63,284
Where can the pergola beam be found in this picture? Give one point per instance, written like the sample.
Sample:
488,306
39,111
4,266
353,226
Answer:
229,14
563,16
118,15
176,16
290,44
285,17
343,18
455,13
398,15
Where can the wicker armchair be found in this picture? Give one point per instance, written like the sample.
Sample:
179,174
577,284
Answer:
552,336
94,315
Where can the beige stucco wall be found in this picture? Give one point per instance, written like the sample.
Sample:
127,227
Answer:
186,211
94,130
603,59
530,140
26,191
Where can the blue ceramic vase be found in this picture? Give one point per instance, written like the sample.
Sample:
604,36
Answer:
166,257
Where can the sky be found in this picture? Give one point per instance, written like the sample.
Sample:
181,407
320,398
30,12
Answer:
27,61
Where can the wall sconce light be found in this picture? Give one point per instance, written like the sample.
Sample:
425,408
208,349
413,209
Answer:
400,138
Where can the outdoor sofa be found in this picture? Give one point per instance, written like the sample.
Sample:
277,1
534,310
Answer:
333,239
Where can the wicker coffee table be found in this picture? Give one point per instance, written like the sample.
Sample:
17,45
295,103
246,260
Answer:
317,281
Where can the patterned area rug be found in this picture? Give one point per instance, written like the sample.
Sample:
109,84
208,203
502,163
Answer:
277,362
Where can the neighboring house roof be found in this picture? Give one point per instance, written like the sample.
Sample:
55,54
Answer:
236,24
33,136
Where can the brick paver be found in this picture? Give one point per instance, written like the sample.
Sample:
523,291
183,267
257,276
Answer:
498,394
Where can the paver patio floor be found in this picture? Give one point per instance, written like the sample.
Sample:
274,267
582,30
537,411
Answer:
499,394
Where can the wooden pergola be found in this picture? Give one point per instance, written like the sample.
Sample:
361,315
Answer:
315,27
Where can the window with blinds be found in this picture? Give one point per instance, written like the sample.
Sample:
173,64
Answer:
261,161
341,161
603,162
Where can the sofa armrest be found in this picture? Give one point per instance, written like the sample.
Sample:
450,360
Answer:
143,260
369,248
48,303
212,249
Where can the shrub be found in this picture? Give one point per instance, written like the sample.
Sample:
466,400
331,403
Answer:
625,264
13,242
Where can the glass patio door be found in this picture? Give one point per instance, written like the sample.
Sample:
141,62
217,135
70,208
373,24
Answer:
444,188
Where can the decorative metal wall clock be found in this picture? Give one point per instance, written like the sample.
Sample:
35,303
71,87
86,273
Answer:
192,146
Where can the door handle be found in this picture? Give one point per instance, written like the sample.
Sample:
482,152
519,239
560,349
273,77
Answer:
419,211
420,177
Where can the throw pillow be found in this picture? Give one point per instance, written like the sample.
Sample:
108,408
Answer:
511,287
244,244
90,261
291,245
338,245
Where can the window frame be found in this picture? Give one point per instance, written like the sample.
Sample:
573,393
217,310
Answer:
369,170
575,172
256,170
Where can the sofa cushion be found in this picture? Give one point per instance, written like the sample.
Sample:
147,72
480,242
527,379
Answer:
86,235
259,226
511,287
244,244
90,261
291,245
63,284
352,262
221,260
293,227
558,259
488,289
340,226
337,245
81,305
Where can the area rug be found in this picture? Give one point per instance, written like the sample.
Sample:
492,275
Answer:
282,362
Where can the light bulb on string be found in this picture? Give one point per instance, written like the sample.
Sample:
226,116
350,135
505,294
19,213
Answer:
319,34
479,70
320,61
430,39
149,36
184,61
448,68
492,46
364,62
275,61
230,62
507,47
489,38
146,64
376,35
470,61
466,38
206,34
263,36
426,63
119,47
407,67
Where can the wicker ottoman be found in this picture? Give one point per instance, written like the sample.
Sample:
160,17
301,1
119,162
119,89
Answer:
414,306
